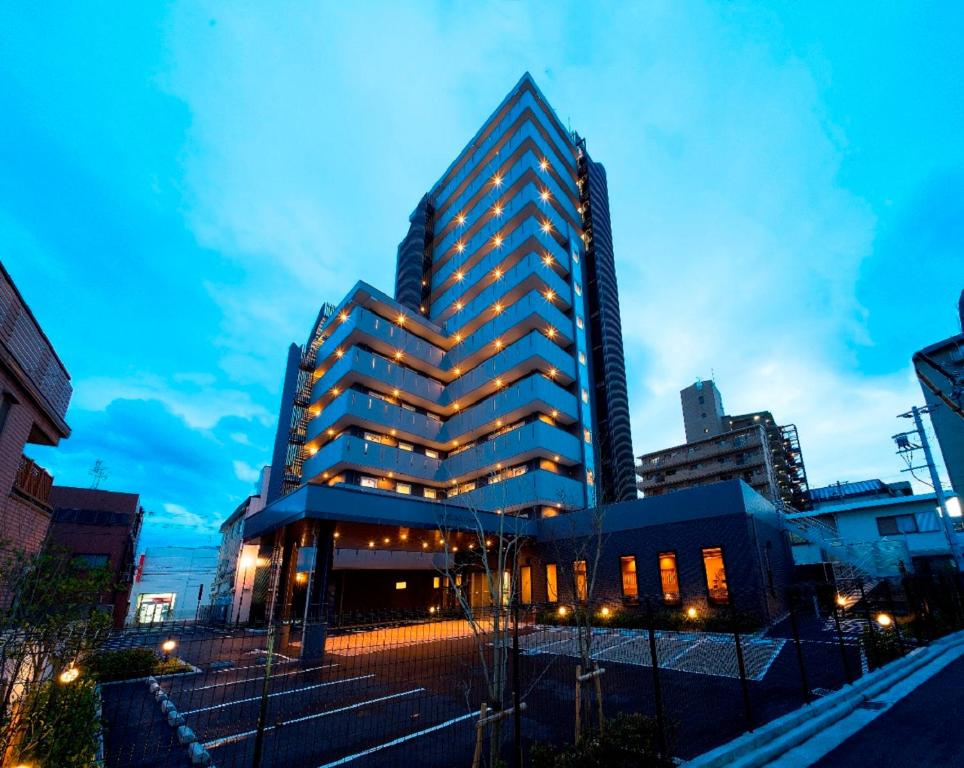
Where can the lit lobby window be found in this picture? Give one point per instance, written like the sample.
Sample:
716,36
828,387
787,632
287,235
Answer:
669,577
579,571
627,566
715,575
552,584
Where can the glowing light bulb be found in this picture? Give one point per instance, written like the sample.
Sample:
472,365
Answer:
691,613
460,219
460,246
401,319
497,308
547,226
459,276
458,305
547,259
543,164
69,675
550,295
338,353
498,343
497,240
498,273
343,316
497,209
544,195
551,332
497,180
398,354
552,373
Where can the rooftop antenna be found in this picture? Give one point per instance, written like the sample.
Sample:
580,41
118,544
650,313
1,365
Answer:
98,473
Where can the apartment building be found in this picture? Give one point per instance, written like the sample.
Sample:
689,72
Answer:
495,374
34,393
100,530
751,447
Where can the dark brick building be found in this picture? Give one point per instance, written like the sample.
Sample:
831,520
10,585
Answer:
34,393
100,529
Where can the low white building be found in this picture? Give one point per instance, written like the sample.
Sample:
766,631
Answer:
877,527
172,583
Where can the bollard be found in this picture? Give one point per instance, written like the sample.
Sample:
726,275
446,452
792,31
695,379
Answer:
198,754
185,735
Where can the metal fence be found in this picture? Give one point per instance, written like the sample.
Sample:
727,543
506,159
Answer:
437,690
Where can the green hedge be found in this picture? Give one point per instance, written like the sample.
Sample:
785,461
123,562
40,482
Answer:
132,663
61,726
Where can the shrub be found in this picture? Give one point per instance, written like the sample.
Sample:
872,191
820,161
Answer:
881,646
629,741
61,725
124,664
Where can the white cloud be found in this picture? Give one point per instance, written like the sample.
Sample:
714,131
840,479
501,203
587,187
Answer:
244,471
200,406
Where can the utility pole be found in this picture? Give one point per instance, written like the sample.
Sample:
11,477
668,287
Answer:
905,446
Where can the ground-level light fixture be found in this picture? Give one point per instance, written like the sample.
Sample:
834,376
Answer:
604,612
431,609
168,645
841,601
69,675
884,619
563,610
691,613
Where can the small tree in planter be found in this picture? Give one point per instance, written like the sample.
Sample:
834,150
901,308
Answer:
49,625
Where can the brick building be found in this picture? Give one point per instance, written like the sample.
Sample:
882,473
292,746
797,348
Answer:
34,393
100,529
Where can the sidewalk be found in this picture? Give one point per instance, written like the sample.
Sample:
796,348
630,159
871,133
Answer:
922,729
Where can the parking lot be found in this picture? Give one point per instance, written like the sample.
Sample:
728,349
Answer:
410,694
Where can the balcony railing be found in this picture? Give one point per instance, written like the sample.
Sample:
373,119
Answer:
33,481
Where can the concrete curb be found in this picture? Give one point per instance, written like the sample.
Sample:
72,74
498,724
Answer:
767,743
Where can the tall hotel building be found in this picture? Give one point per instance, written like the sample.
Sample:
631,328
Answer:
494,379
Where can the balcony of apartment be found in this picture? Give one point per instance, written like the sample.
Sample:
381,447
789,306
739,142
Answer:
32,483
532,394
27,351
524,124
481,288
475,203
379,333
352,407
515,447
532,352
357,453
522,233
538,487
379,372
531,312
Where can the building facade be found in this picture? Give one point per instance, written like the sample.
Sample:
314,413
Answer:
172,584
495,374
100,529
34,393
751,447
878,529
940,370
231,582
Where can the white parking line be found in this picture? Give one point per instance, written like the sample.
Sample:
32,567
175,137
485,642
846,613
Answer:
252,666
399,740
248,734
279,693
265,652
270,677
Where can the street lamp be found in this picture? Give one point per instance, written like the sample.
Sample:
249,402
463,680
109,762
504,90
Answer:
246,562
69,675
167,646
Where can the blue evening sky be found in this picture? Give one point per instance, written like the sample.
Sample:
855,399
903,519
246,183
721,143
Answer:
181,186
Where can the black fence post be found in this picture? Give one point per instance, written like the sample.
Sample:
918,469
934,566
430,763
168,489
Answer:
741,664
840,643
893,616
873,658
263,706
516,698
657,685
804,682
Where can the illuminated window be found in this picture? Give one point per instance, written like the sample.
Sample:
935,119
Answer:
587,436
575,256
590,478
715,575
369,482
585,395
669,577
582,358
627,567
578,289
552,584
582,586
436,582
403,488
430,493
406,447
401,585
431,453
579,322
